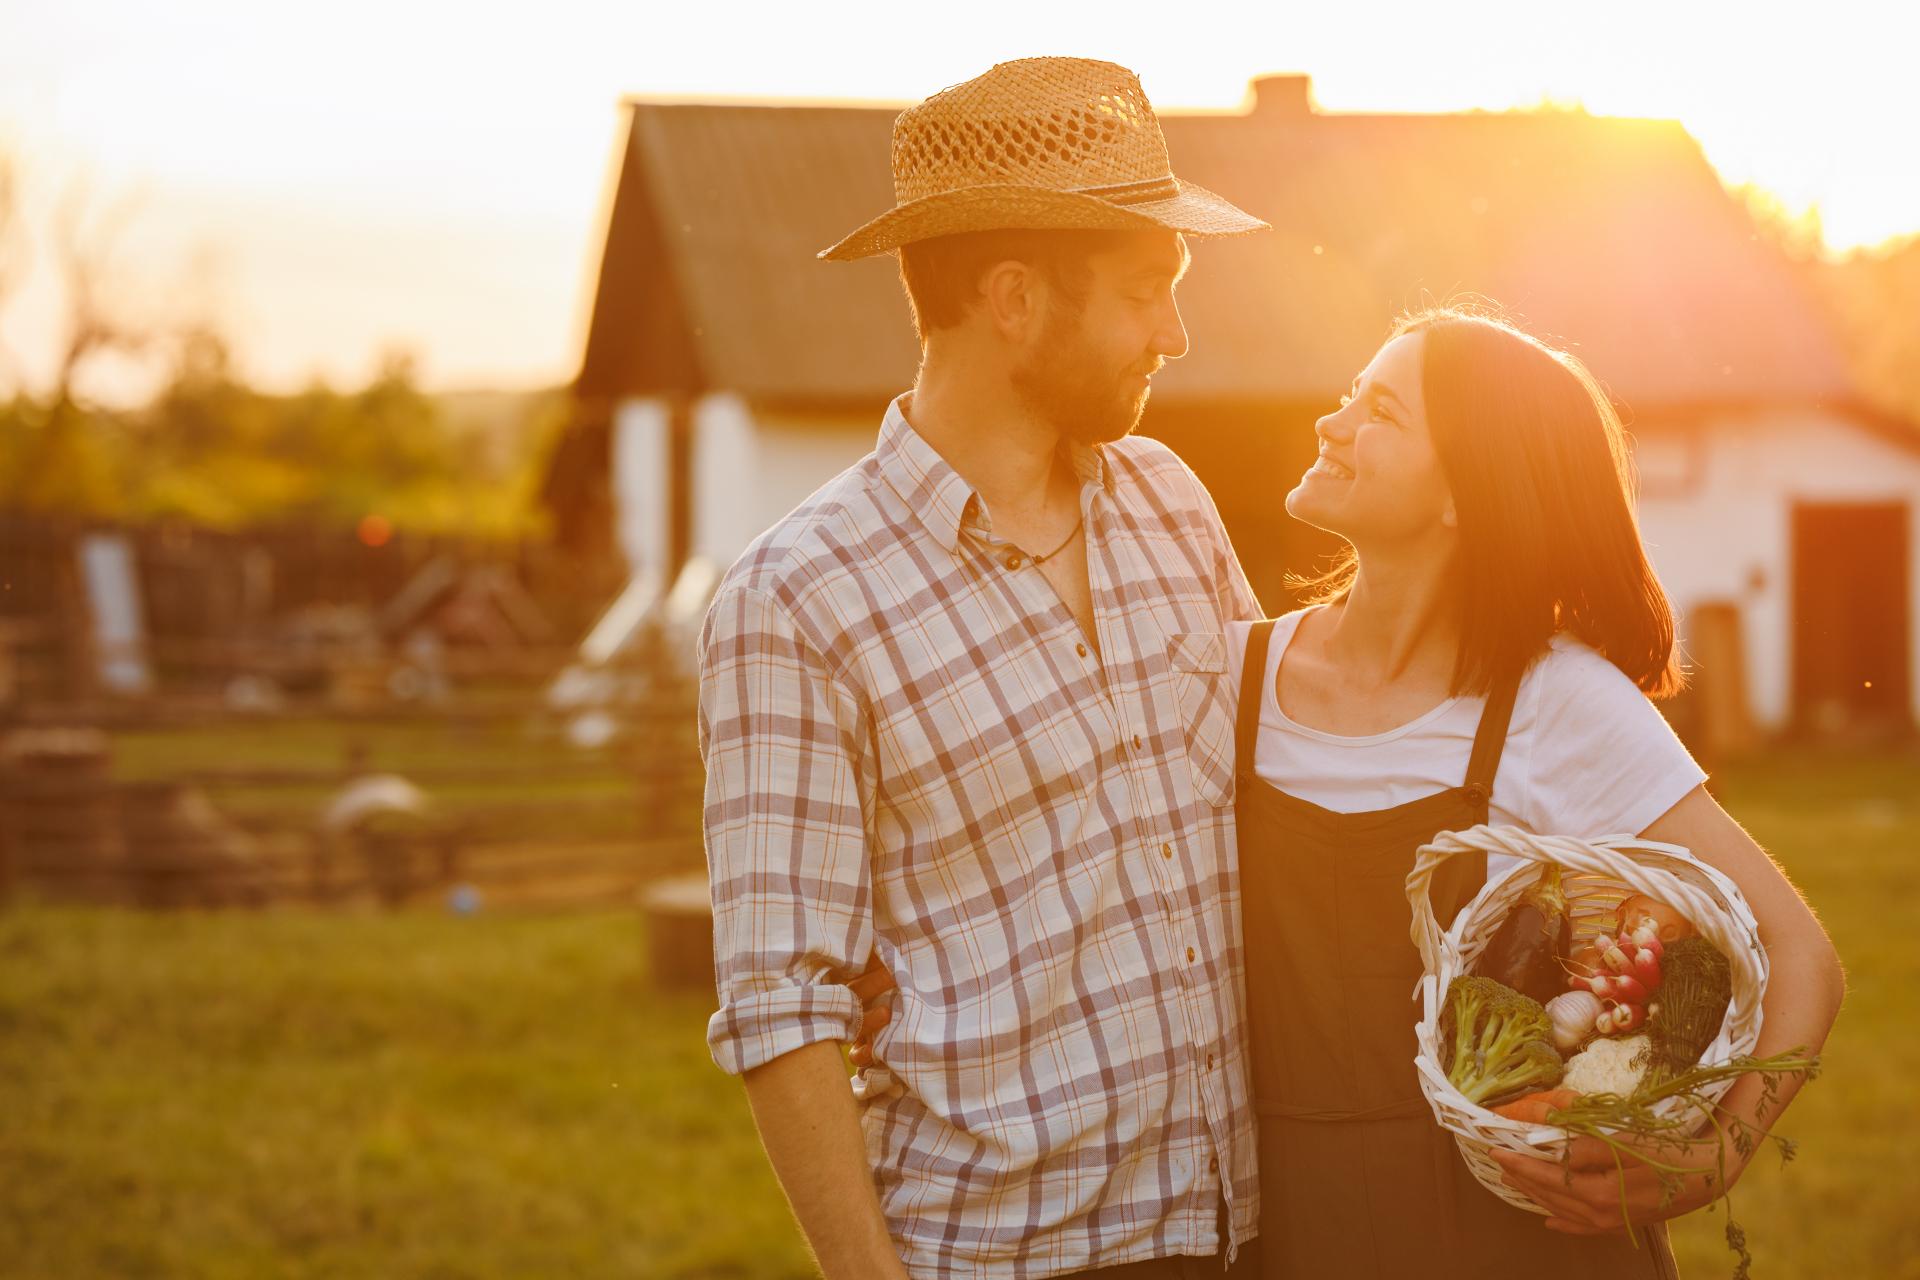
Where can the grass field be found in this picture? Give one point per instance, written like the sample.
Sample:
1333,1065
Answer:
421,1095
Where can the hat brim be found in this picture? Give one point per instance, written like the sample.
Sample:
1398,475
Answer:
1195,211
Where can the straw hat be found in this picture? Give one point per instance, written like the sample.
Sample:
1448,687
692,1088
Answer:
1039,143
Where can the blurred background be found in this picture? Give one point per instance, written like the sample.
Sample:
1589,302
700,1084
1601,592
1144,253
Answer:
383,389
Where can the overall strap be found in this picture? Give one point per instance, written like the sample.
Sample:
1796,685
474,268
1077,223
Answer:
1490,740
1253,680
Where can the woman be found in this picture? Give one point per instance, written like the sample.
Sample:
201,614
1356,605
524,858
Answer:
1484,651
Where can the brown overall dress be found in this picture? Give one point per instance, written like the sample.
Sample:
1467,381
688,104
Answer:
1356,1178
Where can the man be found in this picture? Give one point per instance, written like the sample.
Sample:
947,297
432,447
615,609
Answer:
964,711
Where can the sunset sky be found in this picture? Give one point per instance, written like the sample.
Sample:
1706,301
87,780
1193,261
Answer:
325,182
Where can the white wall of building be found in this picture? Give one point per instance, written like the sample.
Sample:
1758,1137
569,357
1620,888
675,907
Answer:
1716,509
641,503
750,469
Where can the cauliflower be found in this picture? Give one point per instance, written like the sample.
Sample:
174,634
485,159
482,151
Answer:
1609,1066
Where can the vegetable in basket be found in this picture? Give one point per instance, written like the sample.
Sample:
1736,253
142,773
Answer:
1497,1044
1631,973
1609,1066
1527,952
1536,1107
1574,1014
1615,1119
1695,993
1669,924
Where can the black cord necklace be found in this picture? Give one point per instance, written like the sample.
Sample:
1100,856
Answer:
1071,535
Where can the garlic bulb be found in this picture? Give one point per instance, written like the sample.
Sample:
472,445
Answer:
1572,1015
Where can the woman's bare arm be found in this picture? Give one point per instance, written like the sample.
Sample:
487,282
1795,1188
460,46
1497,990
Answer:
1804,988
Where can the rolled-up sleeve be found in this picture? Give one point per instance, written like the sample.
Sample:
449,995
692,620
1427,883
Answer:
785,833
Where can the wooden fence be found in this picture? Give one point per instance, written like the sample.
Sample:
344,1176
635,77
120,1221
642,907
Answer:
72,830
305,633
214,604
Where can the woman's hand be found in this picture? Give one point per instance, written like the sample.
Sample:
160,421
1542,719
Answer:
1607,1191
872,987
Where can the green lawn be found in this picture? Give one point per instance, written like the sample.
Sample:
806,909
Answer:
353,1095
1848,832
364,1096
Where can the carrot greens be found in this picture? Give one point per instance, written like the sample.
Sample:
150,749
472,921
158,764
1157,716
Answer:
1613,1120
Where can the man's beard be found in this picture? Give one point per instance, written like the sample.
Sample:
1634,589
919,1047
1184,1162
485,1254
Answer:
1066,385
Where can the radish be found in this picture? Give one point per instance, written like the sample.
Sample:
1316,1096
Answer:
1645,966
1620,987
1621,1017
1628,1016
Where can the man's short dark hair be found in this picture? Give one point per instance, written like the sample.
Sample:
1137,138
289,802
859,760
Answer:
942,275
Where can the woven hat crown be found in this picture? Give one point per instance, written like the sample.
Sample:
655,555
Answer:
1061,124
1042,144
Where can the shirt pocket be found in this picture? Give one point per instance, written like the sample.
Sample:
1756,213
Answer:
1199,662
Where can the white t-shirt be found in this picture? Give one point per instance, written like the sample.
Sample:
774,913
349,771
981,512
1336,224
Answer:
1587,753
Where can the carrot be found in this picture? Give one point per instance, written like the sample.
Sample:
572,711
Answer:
1533,1108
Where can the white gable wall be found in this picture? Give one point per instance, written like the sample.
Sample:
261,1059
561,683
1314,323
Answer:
1716,514
642,516
750,469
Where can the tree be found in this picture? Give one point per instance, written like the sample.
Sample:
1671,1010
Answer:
213,450
1870,296
1874,297
63,453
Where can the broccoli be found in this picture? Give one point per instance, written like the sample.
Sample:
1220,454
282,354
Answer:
1498,1044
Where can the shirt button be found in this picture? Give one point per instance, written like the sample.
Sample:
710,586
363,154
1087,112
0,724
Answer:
1209,1062
1189,955
1136,742
1080,649
1213,1164
1166,851
1014,562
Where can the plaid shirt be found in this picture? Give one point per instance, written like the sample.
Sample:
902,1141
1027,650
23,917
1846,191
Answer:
911,750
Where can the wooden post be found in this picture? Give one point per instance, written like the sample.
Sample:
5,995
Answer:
679,919
63,831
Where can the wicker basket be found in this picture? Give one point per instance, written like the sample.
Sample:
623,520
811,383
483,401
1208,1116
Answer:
1596,875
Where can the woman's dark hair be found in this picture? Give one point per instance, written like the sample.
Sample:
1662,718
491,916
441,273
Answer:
1543,488
942,275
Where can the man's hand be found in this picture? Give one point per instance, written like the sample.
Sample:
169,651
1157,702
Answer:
1607,1190
872,987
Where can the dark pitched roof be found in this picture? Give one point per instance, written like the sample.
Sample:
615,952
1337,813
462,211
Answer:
1612,235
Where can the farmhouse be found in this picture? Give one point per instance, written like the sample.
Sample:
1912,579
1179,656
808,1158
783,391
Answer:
727,373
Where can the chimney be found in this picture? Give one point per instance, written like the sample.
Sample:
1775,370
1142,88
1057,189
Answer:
1282,97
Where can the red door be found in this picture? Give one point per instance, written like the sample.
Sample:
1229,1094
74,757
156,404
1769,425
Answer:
1852,651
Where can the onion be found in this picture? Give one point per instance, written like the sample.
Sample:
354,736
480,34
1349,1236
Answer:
1573,1016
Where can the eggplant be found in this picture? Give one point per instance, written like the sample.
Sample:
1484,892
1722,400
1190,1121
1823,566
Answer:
1528,951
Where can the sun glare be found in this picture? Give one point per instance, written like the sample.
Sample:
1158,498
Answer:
393,175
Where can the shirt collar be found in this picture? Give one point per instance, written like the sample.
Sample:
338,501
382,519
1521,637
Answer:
941,496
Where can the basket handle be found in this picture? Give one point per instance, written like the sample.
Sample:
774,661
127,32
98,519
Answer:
1426,931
